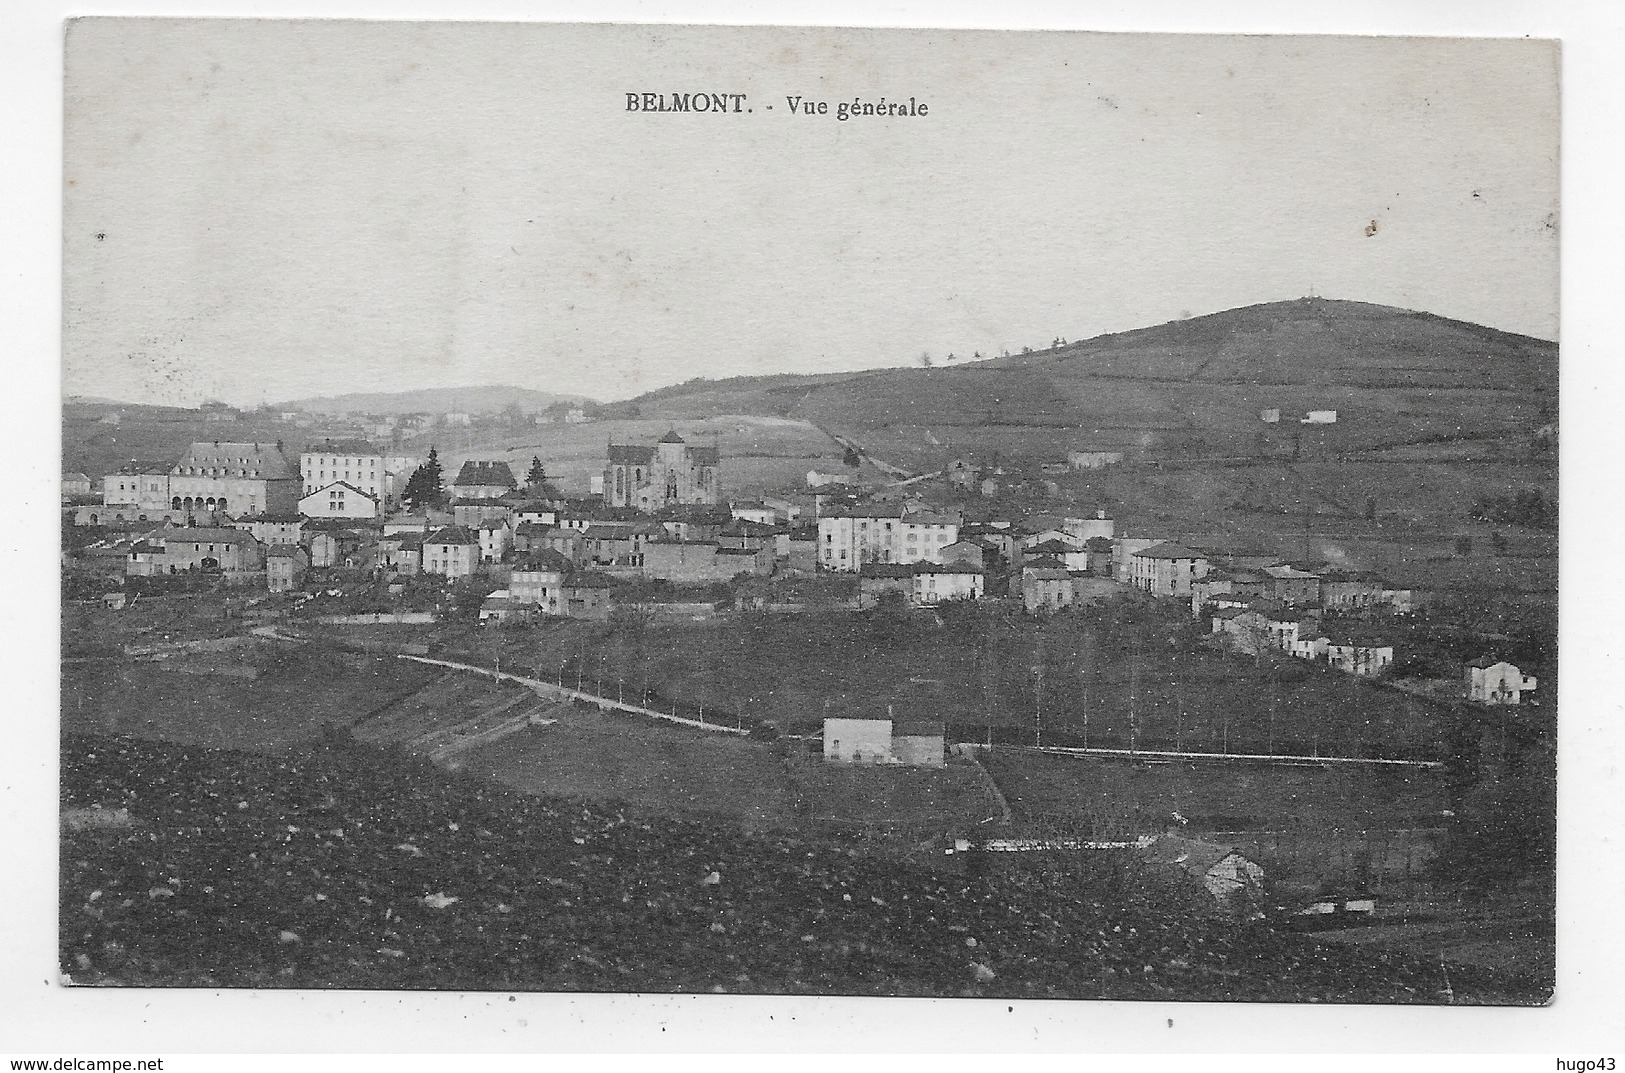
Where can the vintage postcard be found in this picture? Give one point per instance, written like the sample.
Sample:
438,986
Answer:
831,512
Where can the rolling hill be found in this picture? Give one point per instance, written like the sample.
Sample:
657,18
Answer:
1395,376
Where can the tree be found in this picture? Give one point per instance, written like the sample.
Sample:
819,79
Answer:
925,359
851,459
423,488
537,475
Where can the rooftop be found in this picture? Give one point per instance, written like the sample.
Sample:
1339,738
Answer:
344,447
452,534
485,474
1169,550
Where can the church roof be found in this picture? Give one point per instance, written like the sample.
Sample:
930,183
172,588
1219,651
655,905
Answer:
630,454
672,437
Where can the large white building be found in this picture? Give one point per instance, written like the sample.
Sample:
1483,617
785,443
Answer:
847,539
356,463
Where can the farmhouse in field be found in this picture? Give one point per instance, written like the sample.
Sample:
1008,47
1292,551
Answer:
915,743
1222,871
1492,681
1093,459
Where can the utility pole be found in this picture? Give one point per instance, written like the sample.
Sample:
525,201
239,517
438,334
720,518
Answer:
1179,705
1133,691
1038,697
1083,675
1275,689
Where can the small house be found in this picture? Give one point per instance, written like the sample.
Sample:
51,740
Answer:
858,741
1223,872
918,743
285,567
1492,681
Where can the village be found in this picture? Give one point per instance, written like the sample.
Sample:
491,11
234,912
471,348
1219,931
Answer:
366,548
658,531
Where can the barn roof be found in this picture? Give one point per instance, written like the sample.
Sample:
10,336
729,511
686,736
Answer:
1190,854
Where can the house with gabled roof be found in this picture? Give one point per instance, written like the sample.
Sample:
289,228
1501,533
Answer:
230,552
1221,869
339,500
1495,681
1167,569
483,480
285,566
452,552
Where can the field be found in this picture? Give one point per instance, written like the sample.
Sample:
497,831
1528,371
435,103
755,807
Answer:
1373,829
673,770
343,866
1220,798
298,693
1125,674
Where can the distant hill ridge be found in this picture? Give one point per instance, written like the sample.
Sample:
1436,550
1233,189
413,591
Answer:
472,400
1417,368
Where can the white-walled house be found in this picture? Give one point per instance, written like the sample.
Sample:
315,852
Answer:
339,500
1492,681
858,741
357,464
936,582
848,539
452,552
1167,569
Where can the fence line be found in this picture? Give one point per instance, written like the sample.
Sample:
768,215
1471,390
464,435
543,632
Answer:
547,688
1283,758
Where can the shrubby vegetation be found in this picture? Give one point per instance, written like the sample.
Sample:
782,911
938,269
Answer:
1529,508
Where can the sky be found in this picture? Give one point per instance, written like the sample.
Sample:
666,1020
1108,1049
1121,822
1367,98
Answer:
262,211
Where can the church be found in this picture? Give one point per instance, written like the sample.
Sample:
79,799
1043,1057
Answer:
669,473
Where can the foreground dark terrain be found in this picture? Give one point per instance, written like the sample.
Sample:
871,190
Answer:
344,865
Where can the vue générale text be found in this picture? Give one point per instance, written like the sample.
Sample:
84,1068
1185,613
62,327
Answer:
737,103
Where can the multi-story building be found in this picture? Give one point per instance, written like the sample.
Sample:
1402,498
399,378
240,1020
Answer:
233,478
847,539
356,463
452,552
285,566
669,473
1167,569
138,491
